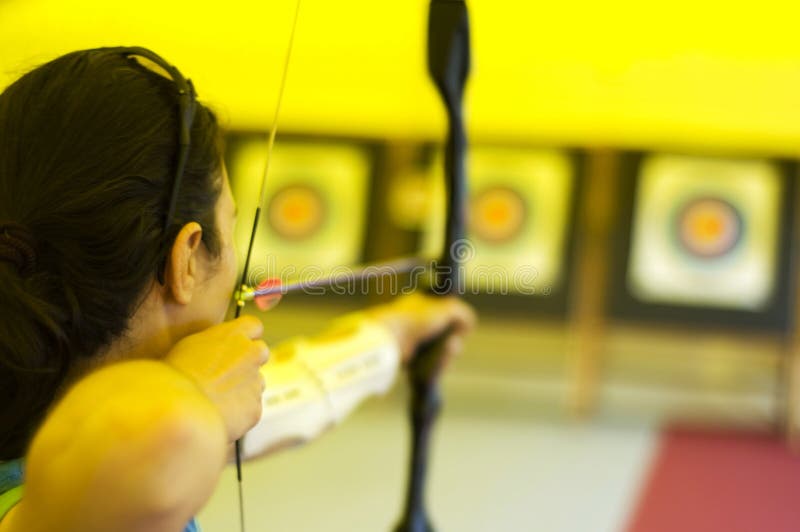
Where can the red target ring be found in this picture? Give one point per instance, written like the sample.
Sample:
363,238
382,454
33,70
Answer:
296,212
709,227
497,214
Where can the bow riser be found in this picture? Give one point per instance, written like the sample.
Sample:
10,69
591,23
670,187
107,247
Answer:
448,66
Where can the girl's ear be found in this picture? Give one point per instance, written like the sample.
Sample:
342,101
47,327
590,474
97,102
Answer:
181,273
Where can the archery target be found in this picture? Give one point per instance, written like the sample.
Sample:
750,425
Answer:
296,212
498,214
708,228
519,211
315,207
705,232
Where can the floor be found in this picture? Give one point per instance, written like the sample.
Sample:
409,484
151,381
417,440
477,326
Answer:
489,473
506,456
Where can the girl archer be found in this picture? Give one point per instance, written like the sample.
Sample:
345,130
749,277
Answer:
121,389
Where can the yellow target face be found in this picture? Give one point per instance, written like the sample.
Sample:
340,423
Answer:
709,227
498,214
296,212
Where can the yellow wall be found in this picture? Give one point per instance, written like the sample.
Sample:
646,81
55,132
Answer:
684,74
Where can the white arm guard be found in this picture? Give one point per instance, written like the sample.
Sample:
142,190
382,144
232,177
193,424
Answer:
312,384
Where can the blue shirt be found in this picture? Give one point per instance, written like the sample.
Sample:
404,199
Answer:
11,478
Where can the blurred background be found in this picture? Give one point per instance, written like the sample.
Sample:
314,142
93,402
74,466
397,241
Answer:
633,176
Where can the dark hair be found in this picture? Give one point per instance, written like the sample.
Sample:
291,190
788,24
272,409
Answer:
88,147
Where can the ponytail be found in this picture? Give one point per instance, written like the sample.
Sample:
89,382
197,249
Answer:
87,150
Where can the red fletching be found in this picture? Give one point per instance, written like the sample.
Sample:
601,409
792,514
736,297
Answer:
268,301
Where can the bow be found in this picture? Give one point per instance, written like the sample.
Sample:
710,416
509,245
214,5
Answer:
448,66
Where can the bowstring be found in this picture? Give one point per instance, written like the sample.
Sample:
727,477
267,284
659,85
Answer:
262,190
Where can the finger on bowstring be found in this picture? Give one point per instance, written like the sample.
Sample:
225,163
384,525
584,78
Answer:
248,325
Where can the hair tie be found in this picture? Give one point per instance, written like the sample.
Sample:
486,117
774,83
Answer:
18,246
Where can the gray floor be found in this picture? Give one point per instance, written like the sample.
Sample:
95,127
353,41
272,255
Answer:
490,473
506,456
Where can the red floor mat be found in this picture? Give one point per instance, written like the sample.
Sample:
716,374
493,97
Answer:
720,482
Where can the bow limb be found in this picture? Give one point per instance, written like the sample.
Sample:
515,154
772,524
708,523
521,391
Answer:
448,66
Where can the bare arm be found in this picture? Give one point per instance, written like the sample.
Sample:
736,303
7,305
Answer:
132,447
